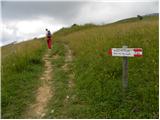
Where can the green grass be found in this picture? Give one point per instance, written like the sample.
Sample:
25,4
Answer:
99,76
21,67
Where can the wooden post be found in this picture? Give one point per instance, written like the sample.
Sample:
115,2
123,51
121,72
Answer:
125,72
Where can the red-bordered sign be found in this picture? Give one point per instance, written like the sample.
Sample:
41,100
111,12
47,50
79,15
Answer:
126,52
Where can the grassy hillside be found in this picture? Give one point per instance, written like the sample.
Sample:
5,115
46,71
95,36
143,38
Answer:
73,28
99,76
21,66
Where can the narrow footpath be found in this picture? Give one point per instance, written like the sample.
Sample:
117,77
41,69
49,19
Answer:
44,93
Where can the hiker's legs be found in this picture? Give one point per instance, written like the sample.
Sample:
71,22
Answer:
49,43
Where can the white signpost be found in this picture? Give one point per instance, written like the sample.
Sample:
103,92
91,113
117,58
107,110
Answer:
125,53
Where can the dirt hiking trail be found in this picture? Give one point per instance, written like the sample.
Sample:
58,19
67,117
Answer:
67,67
44,93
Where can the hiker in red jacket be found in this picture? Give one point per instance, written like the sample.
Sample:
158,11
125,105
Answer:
49,41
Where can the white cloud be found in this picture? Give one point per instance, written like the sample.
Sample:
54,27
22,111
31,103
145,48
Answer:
25,30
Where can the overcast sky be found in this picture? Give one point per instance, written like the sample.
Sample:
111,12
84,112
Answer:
26,20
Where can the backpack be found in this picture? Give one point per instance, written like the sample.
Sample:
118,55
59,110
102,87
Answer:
49,34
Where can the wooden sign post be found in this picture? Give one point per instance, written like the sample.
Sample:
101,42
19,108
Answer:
125,52
125,71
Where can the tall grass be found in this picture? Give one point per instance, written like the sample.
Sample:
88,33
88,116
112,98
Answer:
99,76
21,66
73,28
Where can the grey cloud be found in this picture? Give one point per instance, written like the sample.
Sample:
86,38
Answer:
61,11
71,12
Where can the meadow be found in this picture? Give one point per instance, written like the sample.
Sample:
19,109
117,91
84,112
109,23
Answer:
99,76
21,66
97,91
